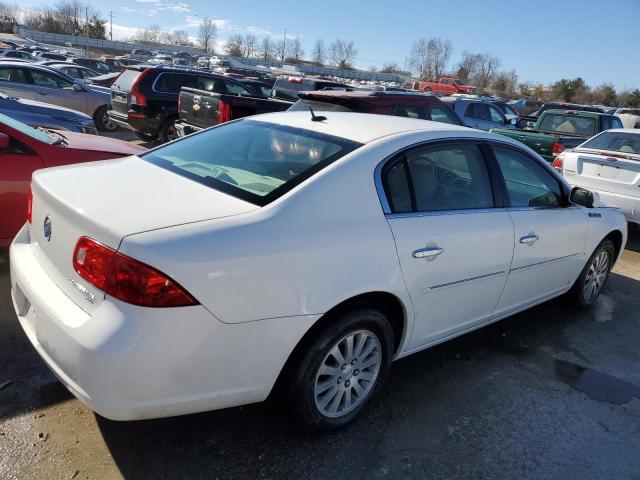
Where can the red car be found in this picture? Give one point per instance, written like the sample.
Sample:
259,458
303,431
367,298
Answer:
24,149
444,86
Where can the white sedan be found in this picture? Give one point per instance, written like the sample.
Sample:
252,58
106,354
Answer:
608,164
292,253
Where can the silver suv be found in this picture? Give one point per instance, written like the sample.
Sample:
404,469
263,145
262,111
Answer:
35,82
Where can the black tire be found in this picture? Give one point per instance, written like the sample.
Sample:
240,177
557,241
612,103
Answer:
147,137
302,383
580,294
102,121
168,131
427,90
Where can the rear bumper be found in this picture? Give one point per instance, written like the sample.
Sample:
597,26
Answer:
629,206
130,363
184,129
144,124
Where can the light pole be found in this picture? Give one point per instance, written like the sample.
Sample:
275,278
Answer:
284,44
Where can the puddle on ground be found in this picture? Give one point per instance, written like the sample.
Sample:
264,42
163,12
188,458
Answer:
599,386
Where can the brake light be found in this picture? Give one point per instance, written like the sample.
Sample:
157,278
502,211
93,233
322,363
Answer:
224,112
179,102
557,148
30,205
136,96
557,163
125,278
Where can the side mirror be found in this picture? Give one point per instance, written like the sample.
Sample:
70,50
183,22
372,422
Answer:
4,141
77,88
582,196
512,121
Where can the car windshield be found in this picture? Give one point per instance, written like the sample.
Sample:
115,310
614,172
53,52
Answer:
568,124
252,160
623,142
27,130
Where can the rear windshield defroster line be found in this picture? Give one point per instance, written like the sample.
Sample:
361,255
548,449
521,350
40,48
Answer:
254,161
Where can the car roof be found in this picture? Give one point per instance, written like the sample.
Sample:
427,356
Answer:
358,127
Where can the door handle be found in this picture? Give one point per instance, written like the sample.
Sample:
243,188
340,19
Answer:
427,252
529,239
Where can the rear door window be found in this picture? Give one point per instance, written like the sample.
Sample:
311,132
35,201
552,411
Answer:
169,82
409,111
234,88
440,114
479,111
11,74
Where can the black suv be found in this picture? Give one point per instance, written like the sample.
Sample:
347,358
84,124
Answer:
145,98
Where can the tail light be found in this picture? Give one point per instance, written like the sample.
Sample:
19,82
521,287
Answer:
179,102
136,96
125,278
557,163
557,148
224,112
30,205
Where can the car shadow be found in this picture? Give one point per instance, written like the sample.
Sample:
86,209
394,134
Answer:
26,384
410,423
633,239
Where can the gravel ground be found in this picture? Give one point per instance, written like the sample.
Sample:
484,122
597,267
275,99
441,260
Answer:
550,393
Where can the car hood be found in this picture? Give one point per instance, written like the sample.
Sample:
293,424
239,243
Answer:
83,141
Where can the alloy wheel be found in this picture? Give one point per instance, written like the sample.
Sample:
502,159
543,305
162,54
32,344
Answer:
596,275
348,373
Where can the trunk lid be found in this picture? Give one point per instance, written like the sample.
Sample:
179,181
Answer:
107,201
610,172
121,89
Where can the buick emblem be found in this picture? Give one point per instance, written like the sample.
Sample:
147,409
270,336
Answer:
47,228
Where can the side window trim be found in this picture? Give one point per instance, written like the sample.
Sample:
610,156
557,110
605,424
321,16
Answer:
401,156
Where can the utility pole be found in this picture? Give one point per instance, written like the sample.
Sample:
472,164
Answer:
86,20
111,31
284,44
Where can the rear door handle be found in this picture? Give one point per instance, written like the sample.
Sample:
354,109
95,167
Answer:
427,252
529,239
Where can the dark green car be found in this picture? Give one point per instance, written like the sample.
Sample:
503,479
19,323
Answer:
557,130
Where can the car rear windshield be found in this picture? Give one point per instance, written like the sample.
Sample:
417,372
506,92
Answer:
569,124
125,80
623,142
255,161
318,106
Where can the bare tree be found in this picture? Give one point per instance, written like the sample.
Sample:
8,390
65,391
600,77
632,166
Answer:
148,35
250,46
207,34
468,66
318,54
429,58
8,17
342,53
281,49
235,45
296,52
487,68
267,48
505,83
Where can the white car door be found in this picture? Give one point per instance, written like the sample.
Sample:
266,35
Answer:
550,233
454,245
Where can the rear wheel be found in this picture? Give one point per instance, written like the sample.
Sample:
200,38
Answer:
594,276
427,89
102,120
342,369
168,131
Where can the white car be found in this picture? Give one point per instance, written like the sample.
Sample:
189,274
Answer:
292,253
608,164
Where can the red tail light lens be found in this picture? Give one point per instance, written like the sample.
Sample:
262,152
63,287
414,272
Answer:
224,112
179,102
557,163
30,205
136,96
127,279
557,148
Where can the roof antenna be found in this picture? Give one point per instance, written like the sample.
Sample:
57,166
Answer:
316,118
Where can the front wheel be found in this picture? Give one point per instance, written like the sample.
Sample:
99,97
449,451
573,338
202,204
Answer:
342,369
594,276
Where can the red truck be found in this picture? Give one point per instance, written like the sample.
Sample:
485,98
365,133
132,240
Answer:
444,85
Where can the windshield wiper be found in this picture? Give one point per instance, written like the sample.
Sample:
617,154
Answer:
60,140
